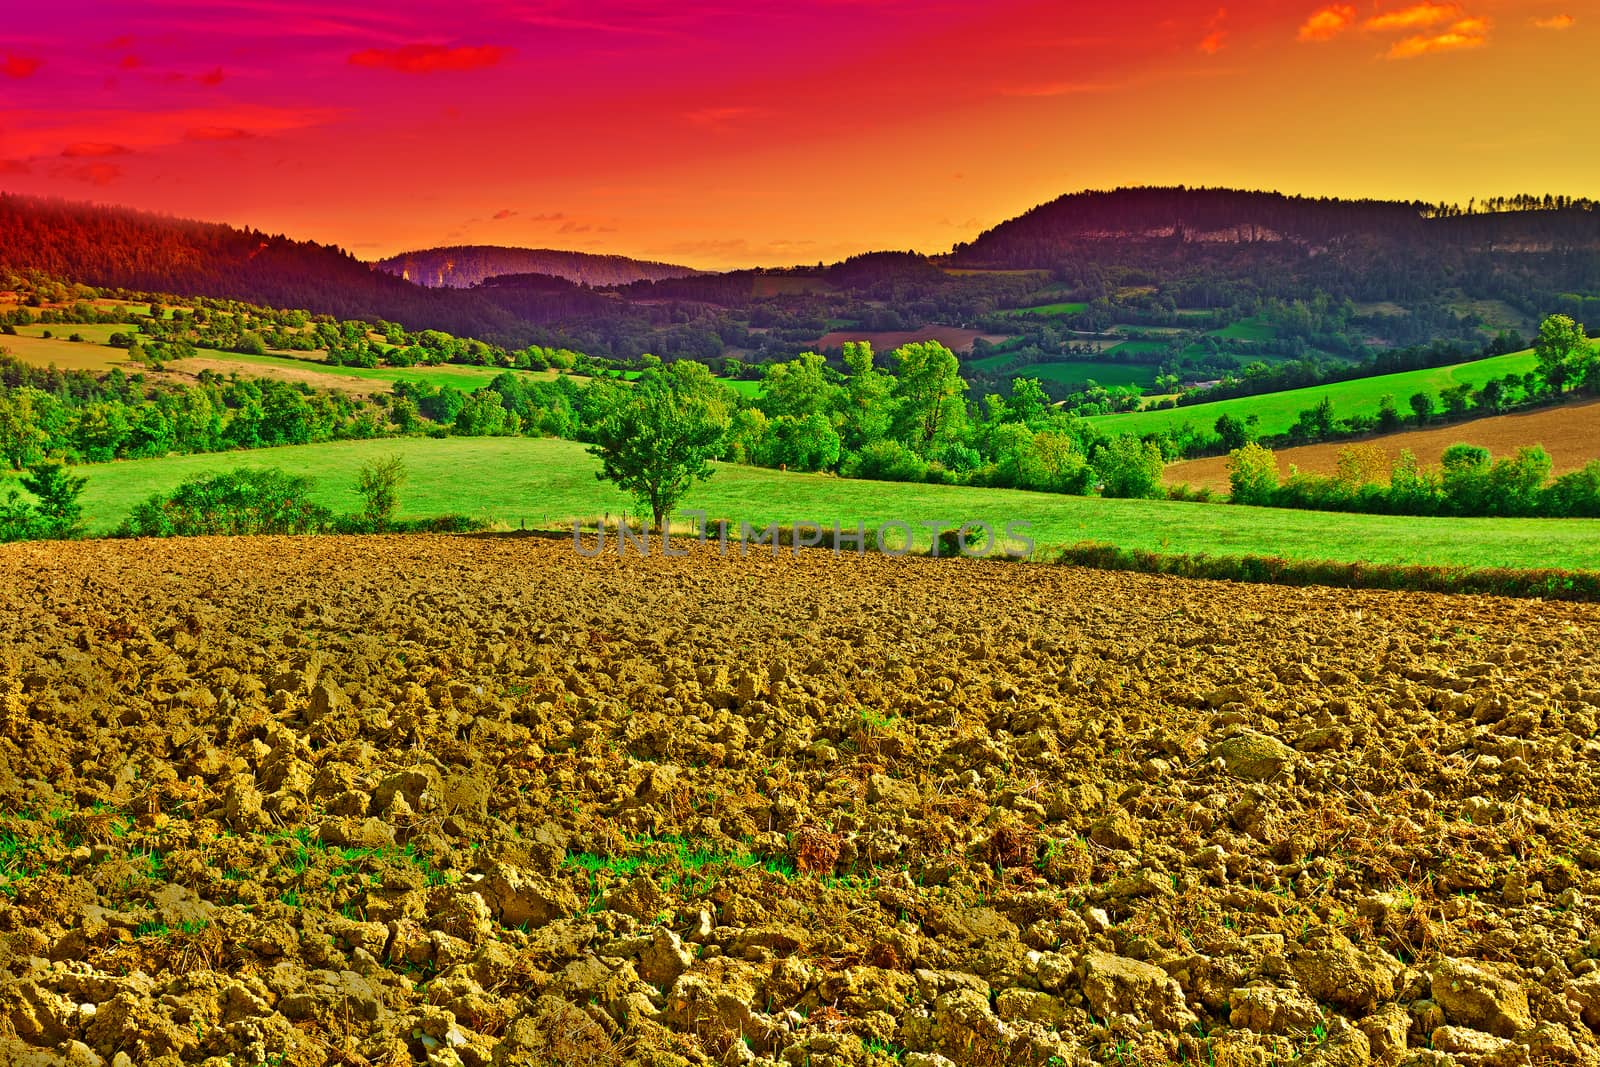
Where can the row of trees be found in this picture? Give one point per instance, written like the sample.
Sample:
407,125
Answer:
1567,361
1468,481
76,417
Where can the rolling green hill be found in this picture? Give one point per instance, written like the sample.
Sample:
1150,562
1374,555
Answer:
544,482
1278,411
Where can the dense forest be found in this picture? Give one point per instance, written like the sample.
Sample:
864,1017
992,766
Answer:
463,266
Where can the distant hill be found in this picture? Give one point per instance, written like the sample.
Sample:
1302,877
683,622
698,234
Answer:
1179,216
463,266
119,247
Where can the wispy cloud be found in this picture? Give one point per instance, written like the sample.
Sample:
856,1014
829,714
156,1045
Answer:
1556,22
721,118
1059,88
1466,33
503,214
216,133
1327,23
1415,17
430,58
93,150
1216,38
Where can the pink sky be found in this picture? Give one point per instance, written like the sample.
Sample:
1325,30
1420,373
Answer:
733,134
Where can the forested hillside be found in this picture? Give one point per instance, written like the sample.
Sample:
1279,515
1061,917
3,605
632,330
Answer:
140,250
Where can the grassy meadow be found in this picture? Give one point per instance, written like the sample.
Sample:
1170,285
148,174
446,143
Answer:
545,482
1278,411
363,379
1061,308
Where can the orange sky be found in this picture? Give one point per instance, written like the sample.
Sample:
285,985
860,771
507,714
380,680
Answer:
720,135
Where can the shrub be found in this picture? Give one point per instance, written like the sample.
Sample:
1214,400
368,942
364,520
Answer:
249,500
886,461
1129,467
1253,474
59,513
19,521
379,483
1576,495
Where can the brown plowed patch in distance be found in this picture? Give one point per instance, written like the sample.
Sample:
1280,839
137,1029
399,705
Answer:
1570,433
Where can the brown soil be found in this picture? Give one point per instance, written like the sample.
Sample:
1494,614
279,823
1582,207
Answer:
1570,433
952,337
480,801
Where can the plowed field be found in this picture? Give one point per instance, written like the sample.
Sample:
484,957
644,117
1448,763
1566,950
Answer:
482,801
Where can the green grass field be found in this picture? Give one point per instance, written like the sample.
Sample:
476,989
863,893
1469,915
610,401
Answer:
1069,371
92,332
1101,372
1278,411
1065,307
1136,348
543,482
362,378
65,355
750,389
1252,329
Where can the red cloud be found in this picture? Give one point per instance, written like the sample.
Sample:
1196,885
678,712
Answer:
1327,23
1556,22
19,66
504,213
93,149
1212,43
15,166
430,58
212,77
129,62
216,133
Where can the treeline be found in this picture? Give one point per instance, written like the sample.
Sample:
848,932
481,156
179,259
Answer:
78,417
1467,482
1568,363
164,327
158,253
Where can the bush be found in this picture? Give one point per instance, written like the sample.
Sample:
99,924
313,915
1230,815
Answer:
59,513
1129,467
249,500
379,483
886,461
1253,475
19,521
1576,495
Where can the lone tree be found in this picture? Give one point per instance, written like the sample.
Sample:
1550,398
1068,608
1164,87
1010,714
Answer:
1563,352
657,439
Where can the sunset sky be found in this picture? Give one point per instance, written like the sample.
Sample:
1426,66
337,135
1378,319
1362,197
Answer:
735,134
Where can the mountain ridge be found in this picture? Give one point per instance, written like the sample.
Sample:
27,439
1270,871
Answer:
464,266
